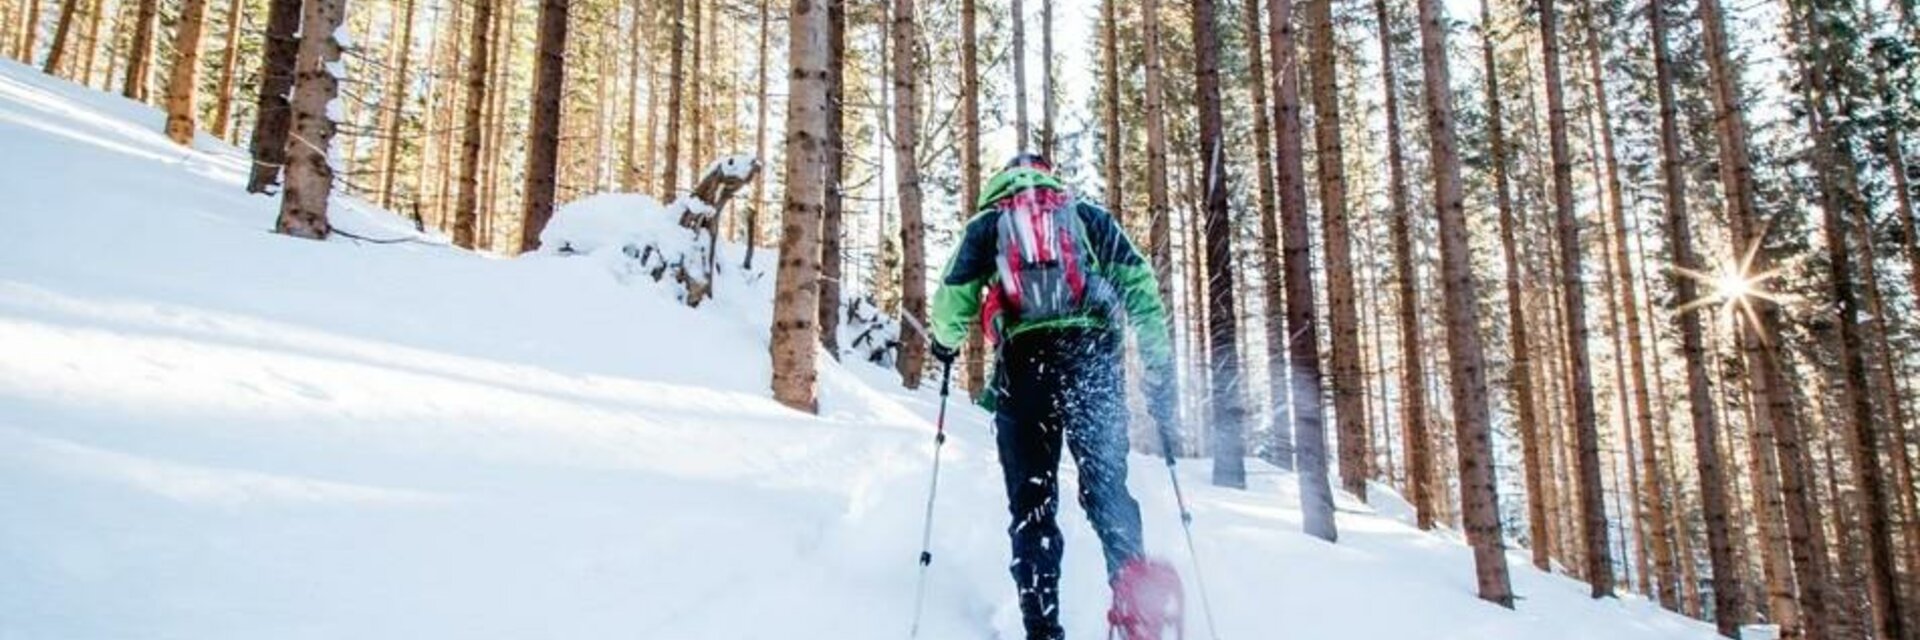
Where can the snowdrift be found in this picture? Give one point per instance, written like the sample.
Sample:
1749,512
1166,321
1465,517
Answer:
210,431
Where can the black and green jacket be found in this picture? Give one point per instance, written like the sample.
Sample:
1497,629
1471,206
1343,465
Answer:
1112,256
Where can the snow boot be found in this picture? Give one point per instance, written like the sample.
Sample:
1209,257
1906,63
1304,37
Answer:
1147,602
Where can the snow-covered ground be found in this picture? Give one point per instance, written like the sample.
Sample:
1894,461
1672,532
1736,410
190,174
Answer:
211,431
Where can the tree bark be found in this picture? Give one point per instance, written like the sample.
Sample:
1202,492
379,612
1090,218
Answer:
140,56
1727,590
976,350
1760,334
1159,210
834,208
1479,497
303,206
183,83
1227,412
1047,132
1300,367
1841,197
796,308
1281,444
676,89
1413,385
393,116
1309,429
1349,390
759,140
272,115
229,69
1110,69
906,134
543,131
1020,127
62,29
1651,491
1593,509
467,207
1521,374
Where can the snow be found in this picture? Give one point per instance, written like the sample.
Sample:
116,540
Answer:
211,431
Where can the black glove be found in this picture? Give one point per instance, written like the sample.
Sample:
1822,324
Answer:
942,352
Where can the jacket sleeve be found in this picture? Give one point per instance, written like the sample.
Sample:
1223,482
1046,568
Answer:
956,303
1132,277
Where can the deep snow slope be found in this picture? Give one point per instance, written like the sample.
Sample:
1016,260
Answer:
210,431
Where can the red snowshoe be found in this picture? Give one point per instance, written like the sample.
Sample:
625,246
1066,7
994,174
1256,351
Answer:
1147,602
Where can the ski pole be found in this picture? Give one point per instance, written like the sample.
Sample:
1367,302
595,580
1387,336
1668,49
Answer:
933,490
1186,526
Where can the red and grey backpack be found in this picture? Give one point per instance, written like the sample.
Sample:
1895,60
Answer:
1043,260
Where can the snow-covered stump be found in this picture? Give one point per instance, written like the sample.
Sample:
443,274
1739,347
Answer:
639,236
700,212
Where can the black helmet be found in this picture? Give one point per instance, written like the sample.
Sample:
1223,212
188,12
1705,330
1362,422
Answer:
1031,160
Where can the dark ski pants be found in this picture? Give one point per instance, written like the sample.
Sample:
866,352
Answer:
1056,385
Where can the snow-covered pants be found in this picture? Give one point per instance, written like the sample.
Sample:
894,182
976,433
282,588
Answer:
1054,385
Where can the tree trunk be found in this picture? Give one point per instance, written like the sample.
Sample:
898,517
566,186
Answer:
1479,497
1521,371
1413,389
1841,196
95,14
184,80
1159,211
913,243
1309,429
543,130
303,206
229,69
795,282
1760,334
1727,590
1651,492
976,350
272,115
1593,508
676,89
1048,134
1271,279
834,208
467,208
1110,69
759,140
394,115
1227,417
1020,127
62,30
1349,390
140,56
1300,367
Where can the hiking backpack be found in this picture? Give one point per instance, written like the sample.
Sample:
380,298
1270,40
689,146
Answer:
1044,262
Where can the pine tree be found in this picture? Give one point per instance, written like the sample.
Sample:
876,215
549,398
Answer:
303,206
1228,414
1309,428
676,91
229,69
976,351
1280,441
1413,386
61,30
140,56
795,306
467,208
543,133
1479,497
183,83
1349,390
834,208
272,114
1020,122
394,114
906,134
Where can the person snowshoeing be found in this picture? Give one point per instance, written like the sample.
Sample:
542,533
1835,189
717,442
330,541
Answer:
1051,278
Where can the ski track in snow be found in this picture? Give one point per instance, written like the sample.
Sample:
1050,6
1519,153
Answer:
210,431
